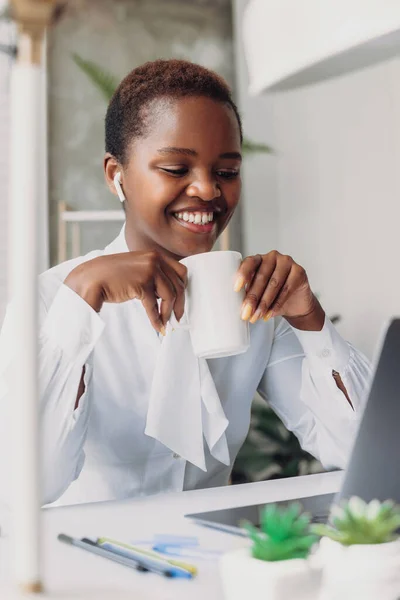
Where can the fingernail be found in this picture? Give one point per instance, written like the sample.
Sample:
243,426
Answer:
246,312
268,315
162,330
239,283
255,317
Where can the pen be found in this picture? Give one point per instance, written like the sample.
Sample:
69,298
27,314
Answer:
90,547
191,552
177,563
151,563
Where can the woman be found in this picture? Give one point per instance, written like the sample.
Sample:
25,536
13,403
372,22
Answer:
173,149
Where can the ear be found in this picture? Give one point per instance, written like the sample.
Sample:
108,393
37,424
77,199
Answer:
113,175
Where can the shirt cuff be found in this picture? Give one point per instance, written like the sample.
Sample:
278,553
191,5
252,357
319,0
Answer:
325,348
71,324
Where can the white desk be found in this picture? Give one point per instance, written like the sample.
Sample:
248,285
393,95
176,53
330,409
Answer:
71,573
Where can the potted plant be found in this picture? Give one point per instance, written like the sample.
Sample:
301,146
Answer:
360,551
277,565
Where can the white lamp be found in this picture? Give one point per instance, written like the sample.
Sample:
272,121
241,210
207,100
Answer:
292,43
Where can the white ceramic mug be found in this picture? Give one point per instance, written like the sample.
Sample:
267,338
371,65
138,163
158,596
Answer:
212,307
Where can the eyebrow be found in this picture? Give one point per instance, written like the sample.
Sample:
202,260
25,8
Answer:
191,152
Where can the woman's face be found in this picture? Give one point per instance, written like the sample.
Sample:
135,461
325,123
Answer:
182,180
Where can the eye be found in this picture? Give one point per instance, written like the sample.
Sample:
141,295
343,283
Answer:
228,174
175,172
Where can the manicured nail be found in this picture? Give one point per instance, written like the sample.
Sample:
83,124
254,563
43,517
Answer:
239,283
255,317
162,330
246,312
268,315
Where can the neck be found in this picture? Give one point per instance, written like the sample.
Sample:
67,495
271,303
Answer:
138,243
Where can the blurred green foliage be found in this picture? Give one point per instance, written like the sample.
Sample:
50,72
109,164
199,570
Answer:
270,450
107,83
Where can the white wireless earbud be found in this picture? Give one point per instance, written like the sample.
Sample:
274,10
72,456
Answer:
117,183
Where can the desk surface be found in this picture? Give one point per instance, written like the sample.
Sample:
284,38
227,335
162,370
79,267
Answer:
70,573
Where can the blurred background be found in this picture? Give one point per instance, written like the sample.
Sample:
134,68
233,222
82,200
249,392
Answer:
321,177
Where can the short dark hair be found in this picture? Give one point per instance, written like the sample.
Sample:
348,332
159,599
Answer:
125,118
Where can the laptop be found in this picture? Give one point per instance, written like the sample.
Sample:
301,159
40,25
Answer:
373,469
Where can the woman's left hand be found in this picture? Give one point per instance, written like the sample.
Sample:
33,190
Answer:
277,286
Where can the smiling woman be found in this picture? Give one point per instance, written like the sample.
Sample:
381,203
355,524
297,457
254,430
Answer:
173,149
197,172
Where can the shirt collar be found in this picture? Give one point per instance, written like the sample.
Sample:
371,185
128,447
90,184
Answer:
118,245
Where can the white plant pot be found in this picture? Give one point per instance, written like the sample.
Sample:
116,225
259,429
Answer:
367,571
246,577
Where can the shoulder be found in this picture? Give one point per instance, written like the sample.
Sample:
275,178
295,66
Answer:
51,280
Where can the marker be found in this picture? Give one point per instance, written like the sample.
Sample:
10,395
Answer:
90,547
177,563
148,561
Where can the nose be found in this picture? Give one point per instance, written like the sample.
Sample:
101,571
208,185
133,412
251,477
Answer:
204,187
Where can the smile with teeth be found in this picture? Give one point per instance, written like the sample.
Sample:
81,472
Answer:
198,218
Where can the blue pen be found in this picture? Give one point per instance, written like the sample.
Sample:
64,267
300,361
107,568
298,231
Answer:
187,552
170,540
149,562
176,540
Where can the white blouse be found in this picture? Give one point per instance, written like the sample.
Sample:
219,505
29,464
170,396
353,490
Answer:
100,451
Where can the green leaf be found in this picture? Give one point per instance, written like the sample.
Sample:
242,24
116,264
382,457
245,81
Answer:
285,533
250,147
356,522
284,550
6,14
104,81
301,525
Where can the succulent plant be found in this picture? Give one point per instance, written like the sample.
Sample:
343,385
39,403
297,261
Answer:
358,522
284,534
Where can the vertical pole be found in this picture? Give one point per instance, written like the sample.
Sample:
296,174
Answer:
76,240
23,280
32,17
62,233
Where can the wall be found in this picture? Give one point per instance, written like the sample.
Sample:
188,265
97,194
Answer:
118,35
5,66
258,205
336,186
339,184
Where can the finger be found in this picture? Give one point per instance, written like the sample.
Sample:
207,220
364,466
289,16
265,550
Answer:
179,288
294,281
177,267
275,284
246,271
258,285
162,289
166,291
149,301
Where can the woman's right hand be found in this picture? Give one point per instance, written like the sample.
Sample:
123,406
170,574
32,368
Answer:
146,276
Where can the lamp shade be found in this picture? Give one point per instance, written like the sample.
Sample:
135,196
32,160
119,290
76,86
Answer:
292,43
